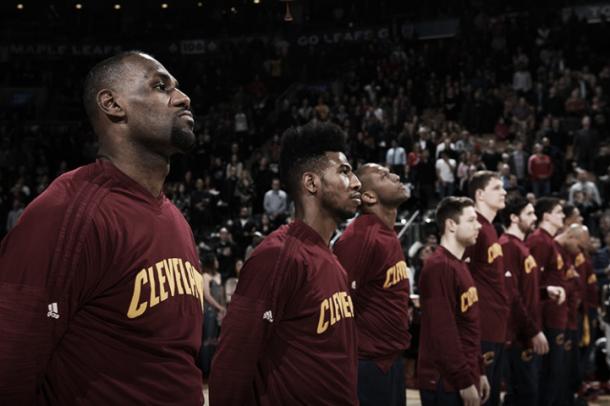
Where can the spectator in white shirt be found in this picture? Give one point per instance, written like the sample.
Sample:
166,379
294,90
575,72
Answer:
396,159
445,168
584,185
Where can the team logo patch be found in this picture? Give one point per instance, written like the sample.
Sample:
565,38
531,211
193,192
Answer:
494,251
488,357
560,339
527,355
529,264
559,262
579,260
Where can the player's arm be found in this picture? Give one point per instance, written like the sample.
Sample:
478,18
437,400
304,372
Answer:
439,303
246,327
39,289
355,254
514,263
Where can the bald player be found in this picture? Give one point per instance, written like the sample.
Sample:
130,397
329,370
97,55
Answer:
372,255
486,264
101,291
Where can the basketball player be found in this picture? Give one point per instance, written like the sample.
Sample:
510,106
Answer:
450,364
546,252
486,263
100,287
527,341
373,258
289,336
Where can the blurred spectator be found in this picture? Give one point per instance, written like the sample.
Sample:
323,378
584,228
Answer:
14,214
226,254
584,185
445,168
540,169
214,309
396,159
586,144
276,203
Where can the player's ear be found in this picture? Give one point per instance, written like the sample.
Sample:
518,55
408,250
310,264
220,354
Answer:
369,197
311,182
450,225
107,103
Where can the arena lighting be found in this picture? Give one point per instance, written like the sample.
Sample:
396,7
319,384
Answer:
200,4
164,5
19,6
78,6
257,1
117,6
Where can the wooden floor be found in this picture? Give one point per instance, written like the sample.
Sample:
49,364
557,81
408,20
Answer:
413,399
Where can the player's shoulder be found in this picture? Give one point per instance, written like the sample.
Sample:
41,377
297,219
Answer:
68,191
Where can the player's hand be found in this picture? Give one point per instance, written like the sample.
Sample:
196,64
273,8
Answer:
540,345
556,293
485,389
470,396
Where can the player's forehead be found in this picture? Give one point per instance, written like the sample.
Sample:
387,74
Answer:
494,183
147,67
337,159
468,212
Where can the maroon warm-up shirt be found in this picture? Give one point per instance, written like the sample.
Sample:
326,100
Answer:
100,297
522,286
450,336
378,277
574,289
588,281
289,337
545,251
486,263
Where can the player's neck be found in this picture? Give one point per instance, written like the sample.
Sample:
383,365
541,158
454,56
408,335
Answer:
549,228
453,246
514,230
324,225
485,211
149,170
387,215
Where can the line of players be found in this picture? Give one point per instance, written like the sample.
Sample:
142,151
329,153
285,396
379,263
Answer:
530,335
311,326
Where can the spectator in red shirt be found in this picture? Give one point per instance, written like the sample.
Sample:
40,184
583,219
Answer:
540,169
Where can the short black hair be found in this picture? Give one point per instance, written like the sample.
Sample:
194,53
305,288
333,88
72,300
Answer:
568,209
208,260
514,205
452,208
104,74
303,149
545,205
480,180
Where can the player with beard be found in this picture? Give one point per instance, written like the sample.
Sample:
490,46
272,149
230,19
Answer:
450,365
289,336
546,252
372,255
100,283
486,263
527,341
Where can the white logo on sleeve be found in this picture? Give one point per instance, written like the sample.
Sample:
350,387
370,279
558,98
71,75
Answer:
53,312
268,316
354,285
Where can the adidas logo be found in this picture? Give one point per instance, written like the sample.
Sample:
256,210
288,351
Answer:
53,312
353,285
268,316
508,274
